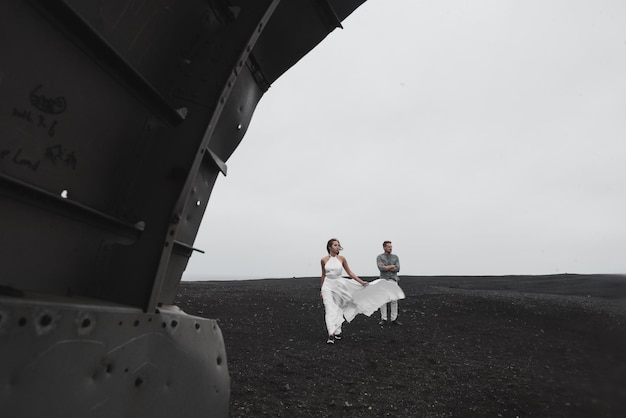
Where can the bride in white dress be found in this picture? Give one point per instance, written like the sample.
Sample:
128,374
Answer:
346,298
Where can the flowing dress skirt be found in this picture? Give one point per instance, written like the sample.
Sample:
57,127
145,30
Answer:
346,298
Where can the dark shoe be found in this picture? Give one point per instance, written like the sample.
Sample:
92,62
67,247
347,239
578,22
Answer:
337,336
382,322
396,322
330,340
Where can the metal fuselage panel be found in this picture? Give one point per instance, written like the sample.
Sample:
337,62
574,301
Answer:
116,118
72,360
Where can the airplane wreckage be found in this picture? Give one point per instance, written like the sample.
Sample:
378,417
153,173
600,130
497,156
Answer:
116,119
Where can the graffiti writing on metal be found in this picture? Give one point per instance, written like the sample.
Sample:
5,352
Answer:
38,120
41,119
51,105
18,157
55,154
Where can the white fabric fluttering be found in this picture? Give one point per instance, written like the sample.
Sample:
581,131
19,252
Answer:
346,298
367,299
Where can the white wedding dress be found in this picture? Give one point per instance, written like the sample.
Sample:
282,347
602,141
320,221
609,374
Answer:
346,298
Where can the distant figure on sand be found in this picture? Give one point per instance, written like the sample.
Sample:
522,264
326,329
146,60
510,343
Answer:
346,298
389,266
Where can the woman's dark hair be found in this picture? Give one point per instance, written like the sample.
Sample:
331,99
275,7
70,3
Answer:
330,242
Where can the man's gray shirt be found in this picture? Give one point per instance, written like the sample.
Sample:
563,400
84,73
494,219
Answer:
388,259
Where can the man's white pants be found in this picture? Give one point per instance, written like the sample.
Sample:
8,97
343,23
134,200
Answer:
393,307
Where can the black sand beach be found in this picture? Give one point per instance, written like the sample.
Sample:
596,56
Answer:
512,346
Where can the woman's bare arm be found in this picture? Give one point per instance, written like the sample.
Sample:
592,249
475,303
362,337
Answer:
344,263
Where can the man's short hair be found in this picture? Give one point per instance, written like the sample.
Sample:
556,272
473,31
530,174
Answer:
386,242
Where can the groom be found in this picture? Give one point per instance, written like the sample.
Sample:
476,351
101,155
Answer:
389,266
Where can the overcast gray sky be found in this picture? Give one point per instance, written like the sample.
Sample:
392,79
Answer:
481,138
